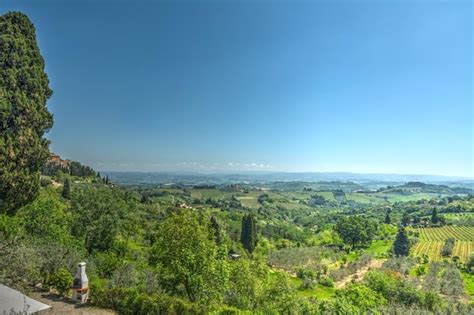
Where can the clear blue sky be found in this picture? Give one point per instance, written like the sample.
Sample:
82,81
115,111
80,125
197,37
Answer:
358,86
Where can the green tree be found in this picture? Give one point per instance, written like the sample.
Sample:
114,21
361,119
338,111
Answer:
406,219
448,247
247,283
188,259
248,235
361,297
24,117
355,230
46,218
434,216
99,216
66,190
101,235
401,246
217,230
451,281
387,220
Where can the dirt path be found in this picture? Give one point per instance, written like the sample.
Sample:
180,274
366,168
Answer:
56,184
359,275
66,306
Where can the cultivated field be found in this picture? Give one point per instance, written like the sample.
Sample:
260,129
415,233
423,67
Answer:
432,240
460,233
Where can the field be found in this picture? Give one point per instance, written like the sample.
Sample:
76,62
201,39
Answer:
460,233
432,240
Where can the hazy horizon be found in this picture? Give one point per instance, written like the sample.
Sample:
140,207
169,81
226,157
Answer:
361,87
230,173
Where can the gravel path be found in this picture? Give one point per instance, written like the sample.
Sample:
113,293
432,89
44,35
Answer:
65,306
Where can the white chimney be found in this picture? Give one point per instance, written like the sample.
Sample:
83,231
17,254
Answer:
80,285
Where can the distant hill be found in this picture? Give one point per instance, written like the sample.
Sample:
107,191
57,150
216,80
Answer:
419,187
372,181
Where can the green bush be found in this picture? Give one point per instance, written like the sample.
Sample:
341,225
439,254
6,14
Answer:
61,281
131,301
44,182
327,282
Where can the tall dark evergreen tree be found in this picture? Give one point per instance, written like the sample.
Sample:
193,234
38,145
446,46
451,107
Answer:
217,230
387,220
248,235
66,189
401,246
24,118
434,216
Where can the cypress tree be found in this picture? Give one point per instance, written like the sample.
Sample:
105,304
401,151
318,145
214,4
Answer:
24,118
434,216
388,220
248,235
216,230
401,246
66,190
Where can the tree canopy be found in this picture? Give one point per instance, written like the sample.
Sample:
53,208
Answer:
187,256
24,118
355,230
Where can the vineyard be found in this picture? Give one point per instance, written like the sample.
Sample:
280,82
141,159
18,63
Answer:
431,241
460,233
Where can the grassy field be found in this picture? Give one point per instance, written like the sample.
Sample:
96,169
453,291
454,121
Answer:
459,215
363,198
214,194
379,248
318,292
468,284
432,240
413,197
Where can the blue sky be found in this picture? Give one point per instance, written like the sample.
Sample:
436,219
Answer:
357,86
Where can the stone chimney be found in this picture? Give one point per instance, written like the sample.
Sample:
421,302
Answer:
80,285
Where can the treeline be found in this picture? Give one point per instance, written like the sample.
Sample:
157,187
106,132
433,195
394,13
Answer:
73,168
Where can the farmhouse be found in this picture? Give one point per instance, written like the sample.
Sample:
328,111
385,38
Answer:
55,159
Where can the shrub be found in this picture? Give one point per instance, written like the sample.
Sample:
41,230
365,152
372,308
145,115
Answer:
470,264
131,301
327,282
451,282
448,247
361,297
45,182
61,281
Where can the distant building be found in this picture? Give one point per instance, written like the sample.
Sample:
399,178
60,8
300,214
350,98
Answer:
234,256
184,206
56,160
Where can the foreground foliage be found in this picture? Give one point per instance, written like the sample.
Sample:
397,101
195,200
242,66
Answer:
24,117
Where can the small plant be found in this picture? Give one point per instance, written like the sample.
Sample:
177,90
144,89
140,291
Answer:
420,270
